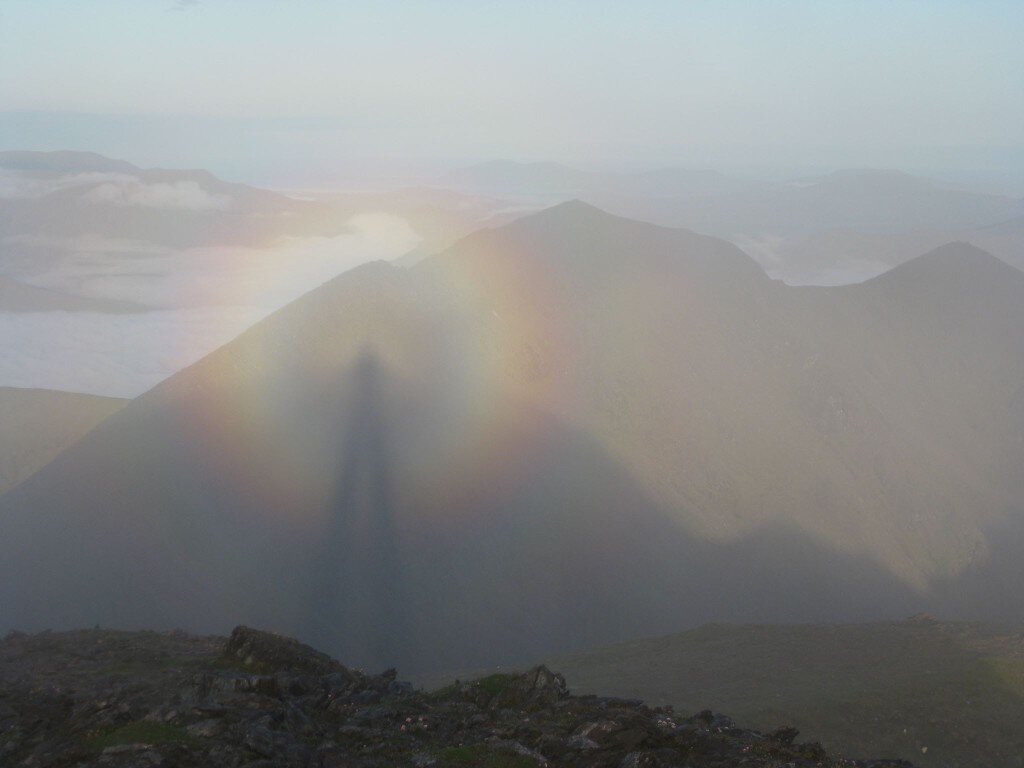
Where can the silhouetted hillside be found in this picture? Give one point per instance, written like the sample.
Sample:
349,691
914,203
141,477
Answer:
569,430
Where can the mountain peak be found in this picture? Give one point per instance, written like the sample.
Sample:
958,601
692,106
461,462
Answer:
957,260
576,207
591,243
572,215
956,274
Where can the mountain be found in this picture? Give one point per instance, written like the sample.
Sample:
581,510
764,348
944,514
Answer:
937,693
99,697
844,256
36,425
835,229
566,431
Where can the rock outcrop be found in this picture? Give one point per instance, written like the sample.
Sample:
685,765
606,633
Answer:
145,700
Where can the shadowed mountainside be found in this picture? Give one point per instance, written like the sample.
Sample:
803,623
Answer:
569,430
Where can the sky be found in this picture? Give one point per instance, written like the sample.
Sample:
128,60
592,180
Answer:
296,91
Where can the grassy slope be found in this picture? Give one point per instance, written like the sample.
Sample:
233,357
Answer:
940,694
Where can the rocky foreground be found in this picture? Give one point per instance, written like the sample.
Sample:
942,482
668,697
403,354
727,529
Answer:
145,699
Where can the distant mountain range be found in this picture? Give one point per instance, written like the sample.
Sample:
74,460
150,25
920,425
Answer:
835,229
569,430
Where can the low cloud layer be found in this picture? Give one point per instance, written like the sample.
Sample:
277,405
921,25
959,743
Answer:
776,257
121,189
204,296
18,185
179,195
115,355
262,278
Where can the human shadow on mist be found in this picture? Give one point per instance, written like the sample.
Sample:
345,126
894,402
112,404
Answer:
356,571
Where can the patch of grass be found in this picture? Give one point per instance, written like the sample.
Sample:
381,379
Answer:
138,732
491,685
481,756
494,684
141,666
445,692
1009,672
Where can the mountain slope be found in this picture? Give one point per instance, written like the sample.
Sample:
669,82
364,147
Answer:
36,425
568,430
844,256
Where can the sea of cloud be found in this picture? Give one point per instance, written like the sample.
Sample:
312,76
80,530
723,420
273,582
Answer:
18,185
161,277
202,298
119,355
178,195
122,189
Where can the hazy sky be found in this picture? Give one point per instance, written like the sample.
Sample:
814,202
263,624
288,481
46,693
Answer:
254,88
